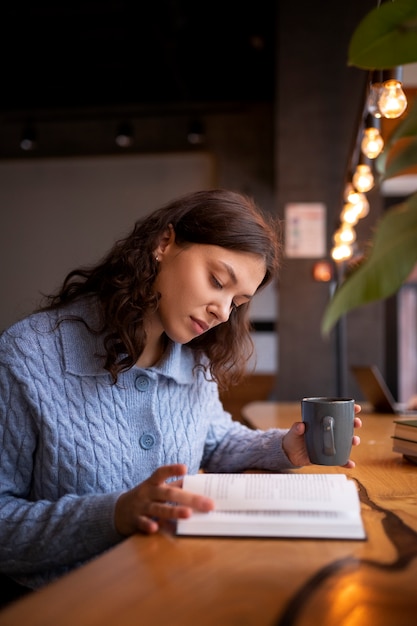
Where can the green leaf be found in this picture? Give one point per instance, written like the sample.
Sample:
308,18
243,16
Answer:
403,160
386,37
407,128
393,254
407,156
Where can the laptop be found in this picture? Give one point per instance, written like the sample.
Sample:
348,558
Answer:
376,392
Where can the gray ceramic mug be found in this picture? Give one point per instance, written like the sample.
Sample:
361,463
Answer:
329,429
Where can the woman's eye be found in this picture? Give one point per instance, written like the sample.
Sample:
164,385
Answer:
216,283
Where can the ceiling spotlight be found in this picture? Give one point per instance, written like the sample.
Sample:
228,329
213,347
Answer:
28,138
196,133
124,135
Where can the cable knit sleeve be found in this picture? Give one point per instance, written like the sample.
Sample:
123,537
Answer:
39,537
233,447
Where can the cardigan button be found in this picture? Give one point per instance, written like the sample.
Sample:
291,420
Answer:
142,383
147,441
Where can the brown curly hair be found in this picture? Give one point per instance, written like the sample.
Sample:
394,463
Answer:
123,281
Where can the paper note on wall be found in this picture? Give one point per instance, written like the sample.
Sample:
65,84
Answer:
305,230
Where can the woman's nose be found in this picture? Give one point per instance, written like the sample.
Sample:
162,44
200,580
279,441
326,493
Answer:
220,310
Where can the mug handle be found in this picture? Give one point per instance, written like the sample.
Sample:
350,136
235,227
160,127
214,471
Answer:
328,436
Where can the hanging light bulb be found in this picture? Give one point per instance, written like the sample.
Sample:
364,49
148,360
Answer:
344,235
392,100
341,252
372,142
363,179
358,199
362,208
349,214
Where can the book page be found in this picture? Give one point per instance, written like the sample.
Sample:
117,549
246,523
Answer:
282,492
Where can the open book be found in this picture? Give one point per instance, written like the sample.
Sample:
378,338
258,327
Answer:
276,505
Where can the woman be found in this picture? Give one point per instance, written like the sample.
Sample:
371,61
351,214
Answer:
109,393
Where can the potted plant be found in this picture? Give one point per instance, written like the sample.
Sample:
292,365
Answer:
384,39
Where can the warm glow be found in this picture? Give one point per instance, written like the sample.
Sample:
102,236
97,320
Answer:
363,179
392,101
372,143
322,271
358,199
350,214
341,253
344,235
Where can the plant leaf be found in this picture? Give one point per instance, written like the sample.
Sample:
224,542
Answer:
393,254
404,158
406,128
386,37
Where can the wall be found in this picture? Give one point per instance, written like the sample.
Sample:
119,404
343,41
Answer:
58,213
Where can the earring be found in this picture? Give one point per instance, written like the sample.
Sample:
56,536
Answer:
156,258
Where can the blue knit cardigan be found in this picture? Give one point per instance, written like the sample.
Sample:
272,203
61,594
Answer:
71,441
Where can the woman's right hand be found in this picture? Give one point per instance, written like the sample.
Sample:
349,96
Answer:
154,500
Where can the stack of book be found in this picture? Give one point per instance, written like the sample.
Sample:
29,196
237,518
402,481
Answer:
405,438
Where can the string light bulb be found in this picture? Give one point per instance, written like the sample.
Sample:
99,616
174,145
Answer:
392,101
341,253
349,214
363,179
344,235
358,199
372,143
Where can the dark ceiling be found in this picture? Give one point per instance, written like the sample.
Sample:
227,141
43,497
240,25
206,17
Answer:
95,53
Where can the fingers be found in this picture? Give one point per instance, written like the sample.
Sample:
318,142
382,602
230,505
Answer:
163,473
298,428
293,444
147,525
358,408
177,496
141,508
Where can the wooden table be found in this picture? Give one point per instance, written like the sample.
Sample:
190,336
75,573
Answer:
183,581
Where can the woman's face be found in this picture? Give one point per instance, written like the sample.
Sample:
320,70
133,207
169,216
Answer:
201,284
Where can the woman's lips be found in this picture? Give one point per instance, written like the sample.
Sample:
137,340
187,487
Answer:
199,325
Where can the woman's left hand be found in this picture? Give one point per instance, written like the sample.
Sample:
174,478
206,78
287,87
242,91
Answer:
294,444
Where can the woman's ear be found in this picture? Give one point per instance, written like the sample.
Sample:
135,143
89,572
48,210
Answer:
167,239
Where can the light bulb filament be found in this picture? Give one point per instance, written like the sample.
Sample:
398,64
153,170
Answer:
392,101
